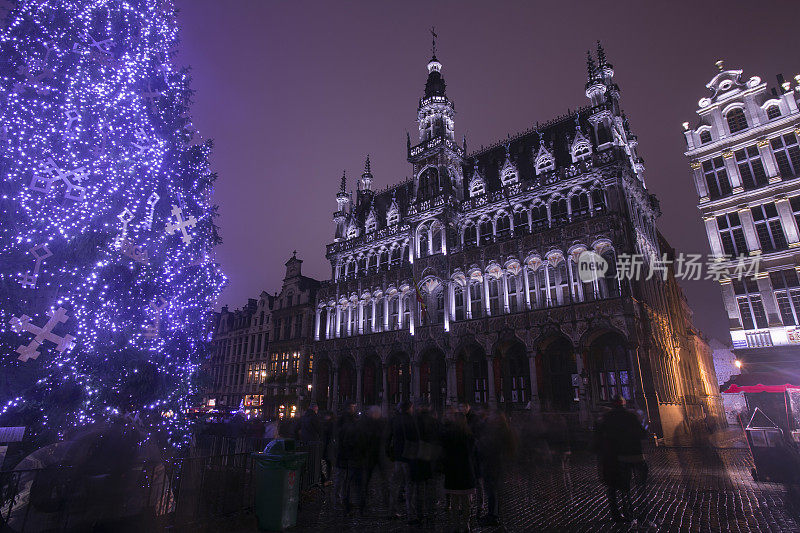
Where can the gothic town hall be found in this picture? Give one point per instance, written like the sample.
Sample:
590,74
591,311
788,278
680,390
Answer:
462,284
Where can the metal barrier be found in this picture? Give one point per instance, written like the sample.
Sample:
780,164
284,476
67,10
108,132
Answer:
173,493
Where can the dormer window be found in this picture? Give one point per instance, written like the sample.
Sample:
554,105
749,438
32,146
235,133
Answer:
544,164
705,137
476,188
736,120
352,232
371,224
581,152
392,218
773,112
508,176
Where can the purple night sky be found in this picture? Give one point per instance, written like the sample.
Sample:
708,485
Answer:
294,92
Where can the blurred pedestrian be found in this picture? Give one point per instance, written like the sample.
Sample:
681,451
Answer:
376,434
618,443
328,447
495,447
422,467
340,481
458,464
404,444
311,425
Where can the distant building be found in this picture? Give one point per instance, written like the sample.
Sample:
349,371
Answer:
261,358
291,358
745,160
464,284
239,357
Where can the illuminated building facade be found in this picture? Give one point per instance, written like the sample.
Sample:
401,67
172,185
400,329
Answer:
745,160
462,283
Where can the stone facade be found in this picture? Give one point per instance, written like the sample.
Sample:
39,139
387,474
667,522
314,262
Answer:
472,281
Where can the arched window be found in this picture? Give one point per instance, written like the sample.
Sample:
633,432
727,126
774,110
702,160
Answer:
539,217
470,235
773,112
423,241
495,306
581,152
458,297
438,315
603,135
544,163
394,313
371,224
352,233
362,265
351,268
392,218
486,232
705,137
736,120
558,211
476,188
503,227
580,205
408,301
514,293
379,307
383,261
598,200
476,299
436,241
521,222
394,259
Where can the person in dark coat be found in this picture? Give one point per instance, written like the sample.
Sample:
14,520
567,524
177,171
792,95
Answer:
495,446
353,450
404,441
343,423
422,466
327,447
311,425
457,462
376,433
618,443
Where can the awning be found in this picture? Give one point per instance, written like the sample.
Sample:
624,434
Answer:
775,381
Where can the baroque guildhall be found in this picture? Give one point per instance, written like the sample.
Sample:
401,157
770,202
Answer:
491,276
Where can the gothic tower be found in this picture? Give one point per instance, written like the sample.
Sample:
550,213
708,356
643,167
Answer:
437,159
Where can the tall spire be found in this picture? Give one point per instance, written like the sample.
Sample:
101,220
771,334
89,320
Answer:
366,166
589,66
365,184
433,41
343,186
601,56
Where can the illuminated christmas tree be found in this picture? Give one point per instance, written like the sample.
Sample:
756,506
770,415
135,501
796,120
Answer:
107,279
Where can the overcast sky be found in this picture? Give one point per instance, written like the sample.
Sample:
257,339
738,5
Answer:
294,92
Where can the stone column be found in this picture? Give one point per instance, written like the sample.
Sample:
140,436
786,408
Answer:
486,304
506,303
316,324
338,331
768,158
468,300
334,403
491,397
527,283
452,382
788,222
314,392
359,384
360,317
733,172
375,325
385,313
699,181
400,310
768,298
414,369
349,320
385,395
583,400
749,228
534,400
447,299
712,230
548,300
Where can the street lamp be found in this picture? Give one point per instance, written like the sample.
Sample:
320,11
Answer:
737,363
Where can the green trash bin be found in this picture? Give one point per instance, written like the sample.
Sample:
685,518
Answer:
277,483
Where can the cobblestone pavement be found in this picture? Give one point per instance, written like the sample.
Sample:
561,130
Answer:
689,489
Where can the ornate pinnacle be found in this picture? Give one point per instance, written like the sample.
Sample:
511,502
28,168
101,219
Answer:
343,186
589,65
601,55
366,166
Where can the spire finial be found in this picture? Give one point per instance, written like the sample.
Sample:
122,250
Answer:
589,65
366,166
601,55
720,65
343,187
433,42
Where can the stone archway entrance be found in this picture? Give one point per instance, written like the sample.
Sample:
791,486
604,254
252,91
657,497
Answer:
372,381
399,378
512,374
433,379
556,370
323,391
347,381
608,366
472,375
